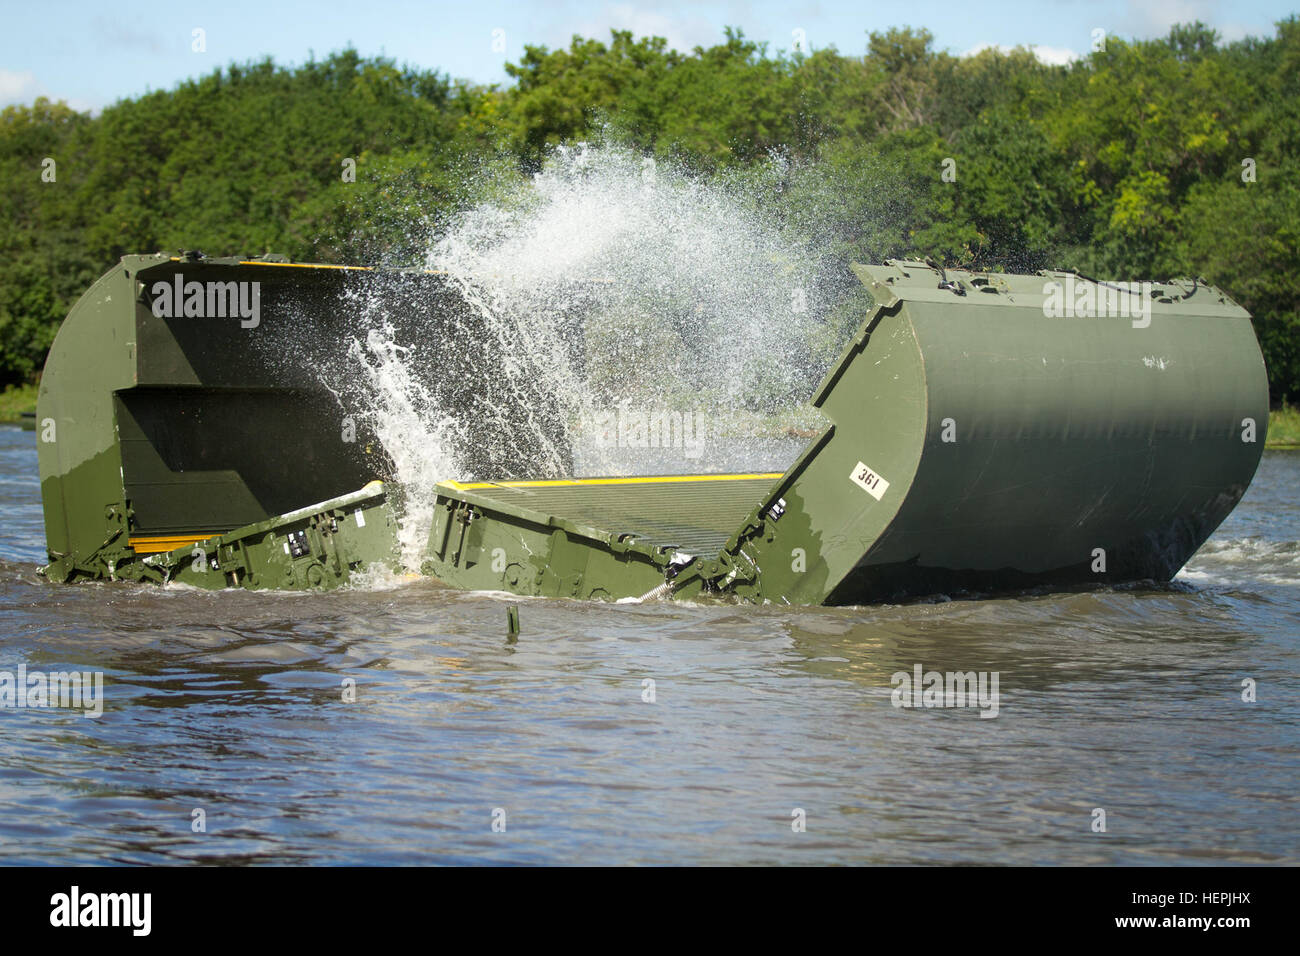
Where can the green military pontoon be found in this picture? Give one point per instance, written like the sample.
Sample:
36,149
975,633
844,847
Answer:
984,432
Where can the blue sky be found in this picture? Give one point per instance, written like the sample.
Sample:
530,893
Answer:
92,53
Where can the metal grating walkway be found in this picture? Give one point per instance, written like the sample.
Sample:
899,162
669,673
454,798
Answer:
696,513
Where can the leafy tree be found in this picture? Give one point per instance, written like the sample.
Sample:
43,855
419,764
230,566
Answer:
1135,162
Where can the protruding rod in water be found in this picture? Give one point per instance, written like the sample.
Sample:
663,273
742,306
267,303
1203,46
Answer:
512,622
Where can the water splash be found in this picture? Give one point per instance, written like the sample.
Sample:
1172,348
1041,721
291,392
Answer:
418,439
604,288
678,286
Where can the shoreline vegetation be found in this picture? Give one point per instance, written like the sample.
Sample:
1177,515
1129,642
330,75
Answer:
14,400
1144,159
1284,427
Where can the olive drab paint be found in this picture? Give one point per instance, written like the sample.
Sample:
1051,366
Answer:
979,437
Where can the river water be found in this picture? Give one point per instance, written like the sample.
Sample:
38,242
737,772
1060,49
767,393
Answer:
233,704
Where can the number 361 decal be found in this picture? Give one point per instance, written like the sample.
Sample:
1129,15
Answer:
867,479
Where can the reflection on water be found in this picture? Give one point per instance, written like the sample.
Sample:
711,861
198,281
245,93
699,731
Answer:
233,703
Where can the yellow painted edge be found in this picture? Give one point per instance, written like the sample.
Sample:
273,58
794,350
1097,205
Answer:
158,543
307,265
565,482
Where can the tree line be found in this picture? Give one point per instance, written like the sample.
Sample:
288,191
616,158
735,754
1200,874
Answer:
1145,159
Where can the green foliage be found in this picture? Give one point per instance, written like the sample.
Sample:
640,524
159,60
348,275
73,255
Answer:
1126,164
1245,237
1284,427
15,400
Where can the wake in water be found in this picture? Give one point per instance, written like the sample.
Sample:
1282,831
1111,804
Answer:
607,302
1243,562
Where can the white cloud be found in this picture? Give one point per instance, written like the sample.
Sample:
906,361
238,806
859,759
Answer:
1051,55
23,87
17,87
1146,19
1054,55
1153,18
683,32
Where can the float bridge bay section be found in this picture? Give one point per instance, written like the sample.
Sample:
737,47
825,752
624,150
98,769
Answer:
983,432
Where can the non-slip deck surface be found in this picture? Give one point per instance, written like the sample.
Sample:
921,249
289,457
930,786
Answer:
697,513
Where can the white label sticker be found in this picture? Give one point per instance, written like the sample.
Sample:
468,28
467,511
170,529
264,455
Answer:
868,480
361,519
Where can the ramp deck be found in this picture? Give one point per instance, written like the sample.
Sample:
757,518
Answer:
694,513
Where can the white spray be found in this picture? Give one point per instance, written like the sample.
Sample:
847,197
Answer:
603,282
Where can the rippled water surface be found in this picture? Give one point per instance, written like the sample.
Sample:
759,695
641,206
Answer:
232,703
